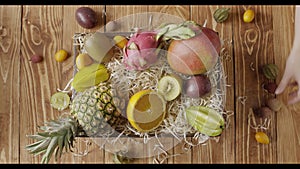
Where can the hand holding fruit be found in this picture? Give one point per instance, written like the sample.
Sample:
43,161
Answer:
292,68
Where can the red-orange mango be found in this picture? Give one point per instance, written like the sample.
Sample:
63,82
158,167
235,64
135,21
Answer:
196,55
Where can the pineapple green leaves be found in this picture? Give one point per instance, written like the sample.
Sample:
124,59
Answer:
56,136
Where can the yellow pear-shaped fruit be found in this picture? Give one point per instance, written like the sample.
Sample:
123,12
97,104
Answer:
83,60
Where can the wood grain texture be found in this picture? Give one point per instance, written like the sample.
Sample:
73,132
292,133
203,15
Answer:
42,35
127,17
44,26
223,150
181,11
26,87
10,45
252,49
288,133
175,14
70,27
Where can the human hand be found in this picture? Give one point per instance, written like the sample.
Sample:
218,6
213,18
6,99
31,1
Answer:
292,72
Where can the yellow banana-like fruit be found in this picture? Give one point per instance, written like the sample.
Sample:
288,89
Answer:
205,120
90,76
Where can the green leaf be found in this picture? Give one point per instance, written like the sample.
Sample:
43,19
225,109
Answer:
176,31
52,146
55,139
42,146
29,147
36,137
60,148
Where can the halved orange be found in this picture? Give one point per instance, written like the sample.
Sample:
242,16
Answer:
146,110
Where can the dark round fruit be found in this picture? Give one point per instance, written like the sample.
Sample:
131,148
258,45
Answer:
36,58
270,87
263,112
86,17
197,86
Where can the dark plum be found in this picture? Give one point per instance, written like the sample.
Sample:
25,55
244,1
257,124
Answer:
36,58
86,17
197,86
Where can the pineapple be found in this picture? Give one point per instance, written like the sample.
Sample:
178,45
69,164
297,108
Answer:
97,111
56,135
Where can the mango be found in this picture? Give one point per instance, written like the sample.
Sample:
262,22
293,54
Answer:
195,55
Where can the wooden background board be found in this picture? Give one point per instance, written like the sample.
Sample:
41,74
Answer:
10,45
26,87
254,44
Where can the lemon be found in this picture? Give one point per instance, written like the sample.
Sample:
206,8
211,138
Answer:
83,60
262,137
61,55
120,41
60,100
146,110
248,15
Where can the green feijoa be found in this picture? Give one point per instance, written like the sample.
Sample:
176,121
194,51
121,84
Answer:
270,71
221,14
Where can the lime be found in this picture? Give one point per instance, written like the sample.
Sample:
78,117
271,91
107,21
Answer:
146,110
60,100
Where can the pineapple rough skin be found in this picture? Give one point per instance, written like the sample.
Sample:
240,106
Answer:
98,109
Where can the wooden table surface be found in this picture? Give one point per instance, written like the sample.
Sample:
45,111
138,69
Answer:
26,88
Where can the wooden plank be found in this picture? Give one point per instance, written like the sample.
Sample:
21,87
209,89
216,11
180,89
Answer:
169,13
223,150
70,27
64,28
288,133
10,83
133,149
46,29
252,49
41,34
174,14
127,16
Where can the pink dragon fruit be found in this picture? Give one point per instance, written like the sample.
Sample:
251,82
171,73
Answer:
141,51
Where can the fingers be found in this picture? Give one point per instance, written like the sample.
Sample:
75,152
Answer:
283,83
